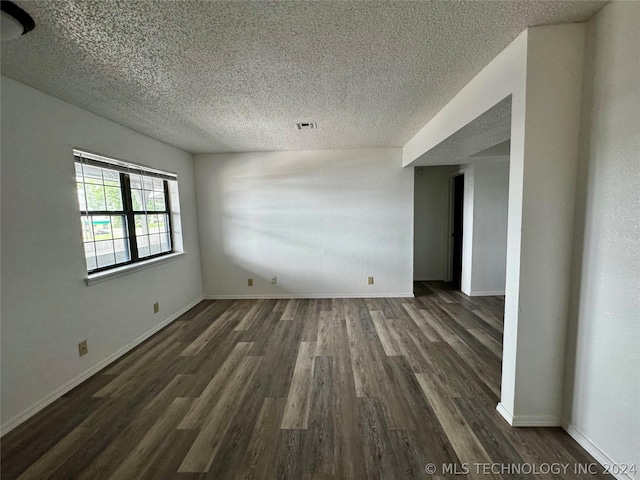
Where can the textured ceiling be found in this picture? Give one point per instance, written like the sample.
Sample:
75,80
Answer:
472,141
235,76
502,149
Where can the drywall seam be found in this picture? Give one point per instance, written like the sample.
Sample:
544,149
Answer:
56,394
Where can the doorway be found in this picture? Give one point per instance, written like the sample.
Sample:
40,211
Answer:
456,234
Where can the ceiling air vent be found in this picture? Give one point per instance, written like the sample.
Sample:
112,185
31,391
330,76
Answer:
306,126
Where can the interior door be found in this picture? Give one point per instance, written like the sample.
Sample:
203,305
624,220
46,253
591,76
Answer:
458,212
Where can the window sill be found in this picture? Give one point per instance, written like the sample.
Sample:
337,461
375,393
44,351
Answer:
128,269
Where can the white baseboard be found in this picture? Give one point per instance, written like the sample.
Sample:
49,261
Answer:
593,450
284,296
548,421
506,414
487,294
528,420
56,394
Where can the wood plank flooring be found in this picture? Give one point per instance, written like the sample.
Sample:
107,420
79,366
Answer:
298,389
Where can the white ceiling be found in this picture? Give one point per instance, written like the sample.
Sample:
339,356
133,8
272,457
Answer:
236,76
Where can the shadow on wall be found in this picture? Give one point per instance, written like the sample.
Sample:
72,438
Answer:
321,222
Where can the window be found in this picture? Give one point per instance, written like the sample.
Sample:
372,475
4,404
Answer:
125,211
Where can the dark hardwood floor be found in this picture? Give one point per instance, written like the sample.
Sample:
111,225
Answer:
299,389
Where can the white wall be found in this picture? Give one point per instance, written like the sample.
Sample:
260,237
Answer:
489,231
46,306
319,221
431,190
602,399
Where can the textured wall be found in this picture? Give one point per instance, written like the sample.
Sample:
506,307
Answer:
430,223
490,205
320,221
46,306
602,398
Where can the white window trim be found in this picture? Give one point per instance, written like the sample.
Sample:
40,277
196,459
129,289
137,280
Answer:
117,272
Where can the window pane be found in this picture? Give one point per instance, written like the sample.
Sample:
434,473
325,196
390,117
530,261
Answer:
149,201
159,201
78,172
90,256
118,224
136,181
92,174
114,198
154,244
165,242
87,228
147,182
106,230
101,227
143,245
111,177
105,253
95,197
141,225
82,201
162,223
122,250
152,222
136,199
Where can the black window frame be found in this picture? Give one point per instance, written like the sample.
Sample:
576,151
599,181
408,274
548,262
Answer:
125,170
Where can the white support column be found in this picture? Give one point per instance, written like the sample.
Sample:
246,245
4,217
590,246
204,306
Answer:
542,71
544,150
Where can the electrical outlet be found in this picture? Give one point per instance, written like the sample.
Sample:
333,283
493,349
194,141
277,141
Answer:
370,280
250,282
156,307
83,349
274,280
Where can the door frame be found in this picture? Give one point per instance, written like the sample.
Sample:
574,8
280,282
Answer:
448,231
